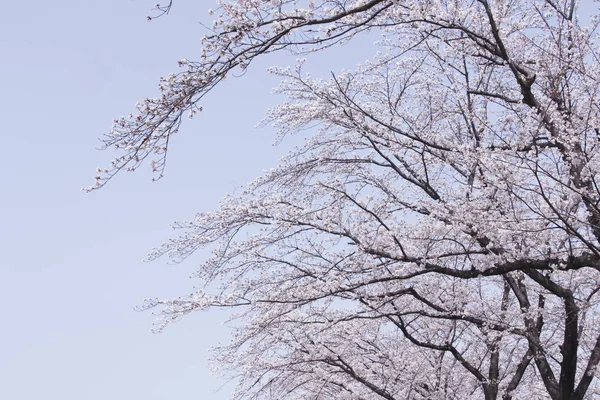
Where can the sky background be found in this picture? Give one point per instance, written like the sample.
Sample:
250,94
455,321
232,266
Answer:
72,270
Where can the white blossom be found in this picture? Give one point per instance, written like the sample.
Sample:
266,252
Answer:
437,235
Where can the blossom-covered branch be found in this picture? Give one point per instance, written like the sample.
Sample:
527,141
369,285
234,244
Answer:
437,235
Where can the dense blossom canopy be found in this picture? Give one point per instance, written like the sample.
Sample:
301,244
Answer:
437,236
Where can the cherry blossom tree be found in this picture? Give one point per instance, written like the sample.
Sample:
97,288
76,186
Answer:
437,235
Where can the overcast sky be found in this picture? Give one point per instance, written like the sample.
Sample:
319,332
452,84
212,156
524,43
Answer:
72,268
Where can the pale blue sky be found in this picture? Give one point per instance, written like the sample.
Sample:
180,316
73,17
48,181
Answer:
72,271
72,267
